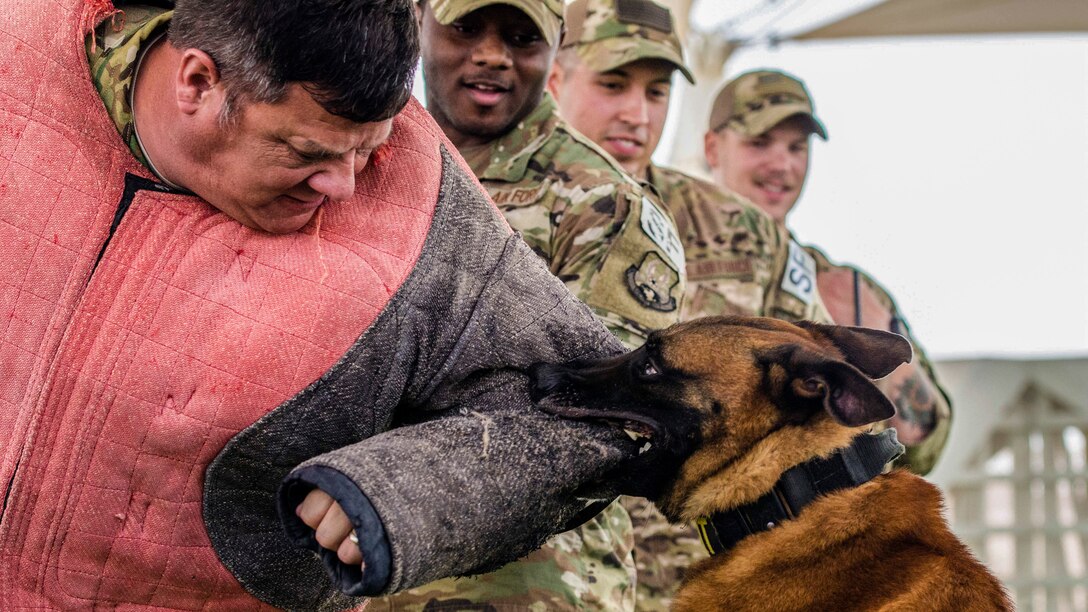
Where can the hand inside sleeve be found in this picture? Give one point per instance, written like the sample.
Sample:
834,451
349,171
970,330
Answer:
332,528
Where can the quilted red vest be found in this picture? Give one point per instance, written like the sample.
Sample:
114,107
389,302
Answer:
129,358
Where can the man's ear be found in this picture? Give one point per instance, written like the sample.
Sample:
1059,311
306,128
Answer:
555,77
710,148
198,82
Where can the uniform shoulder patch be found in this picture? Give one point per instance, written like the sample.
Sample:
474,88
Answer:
800,277
660,228
652,282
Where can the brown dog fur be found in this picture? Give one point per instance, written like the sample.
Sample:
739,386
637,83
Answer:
729,404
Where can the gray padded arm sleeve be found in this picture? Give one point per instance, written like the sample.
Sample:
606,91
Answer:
429,416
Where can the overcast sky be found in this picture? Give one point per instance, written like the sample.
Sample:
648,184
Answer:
957,174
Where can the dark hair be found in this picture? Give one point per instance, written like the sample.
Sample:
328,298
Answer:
357,58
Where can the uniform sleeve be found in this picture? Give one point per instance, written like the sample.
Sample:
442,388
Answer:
923,408
792,294
583,226
576,224
924,396
618,251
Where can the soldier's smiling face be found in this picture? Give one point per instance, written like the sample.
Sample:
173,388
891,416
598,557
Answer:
768,169
623,110
484,72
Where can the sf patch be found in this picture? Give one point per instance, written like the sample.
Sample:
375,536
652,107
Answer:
800,277
661,229
652,282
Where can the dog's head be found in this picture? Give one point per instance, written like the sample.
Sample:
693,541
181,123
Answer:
727,404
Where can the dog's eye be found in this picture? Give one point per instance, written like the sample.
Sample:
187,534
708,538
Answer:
648,369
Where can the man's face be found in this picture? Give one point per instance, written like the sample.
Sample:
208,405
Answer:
622,110
278,163
484,72
768,169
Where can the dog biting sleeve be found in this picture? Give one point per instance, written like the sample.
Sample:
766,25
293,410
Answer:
469,476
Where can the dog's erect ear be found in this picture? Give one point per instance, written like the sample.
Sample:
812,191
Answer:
844,392
874,352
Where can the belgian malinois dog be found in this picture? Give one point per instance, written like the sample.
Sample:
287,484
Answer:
728,405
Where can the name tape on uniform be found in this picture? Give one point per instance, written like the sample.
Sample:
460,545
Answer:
660,228
800,277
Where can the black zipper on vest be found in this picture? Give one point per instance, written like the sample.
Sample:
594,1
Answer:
7,491
133,184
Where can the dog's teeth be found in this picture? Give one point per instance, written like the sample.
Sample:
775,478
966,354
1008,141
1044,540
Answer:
645,447
634,435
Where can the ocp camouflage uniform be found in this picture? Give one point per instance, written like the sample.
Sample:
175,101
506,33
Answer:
919,458
112,52
618,251
614,247
738,259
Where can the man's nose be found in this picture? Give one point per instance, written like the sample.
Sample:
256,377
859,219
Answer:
337,180
635,110
780,158
492,52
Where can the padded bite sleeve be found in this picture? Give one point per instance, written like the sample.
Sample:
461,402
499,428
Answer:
476,476
428,416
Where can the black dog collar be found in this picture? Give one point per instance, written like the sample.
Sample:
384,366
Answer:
798,487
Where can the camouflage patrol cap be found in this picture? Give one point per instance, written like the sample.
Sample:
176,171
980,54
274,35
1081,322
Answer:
610,33
756,101
546,14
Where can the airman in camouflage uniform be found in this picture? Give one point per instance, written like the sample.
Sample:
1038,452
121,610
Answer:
615,247
738,259
736,255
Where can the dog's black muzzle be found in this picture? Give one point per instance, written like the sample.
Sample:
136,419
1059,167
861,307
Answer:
584,378
609,390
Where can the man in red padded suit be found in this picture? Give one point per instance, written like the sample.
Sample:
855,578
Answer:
242,269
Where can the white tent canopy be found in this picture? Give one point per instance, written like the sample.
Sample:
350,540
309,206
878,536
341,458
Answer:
942,17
